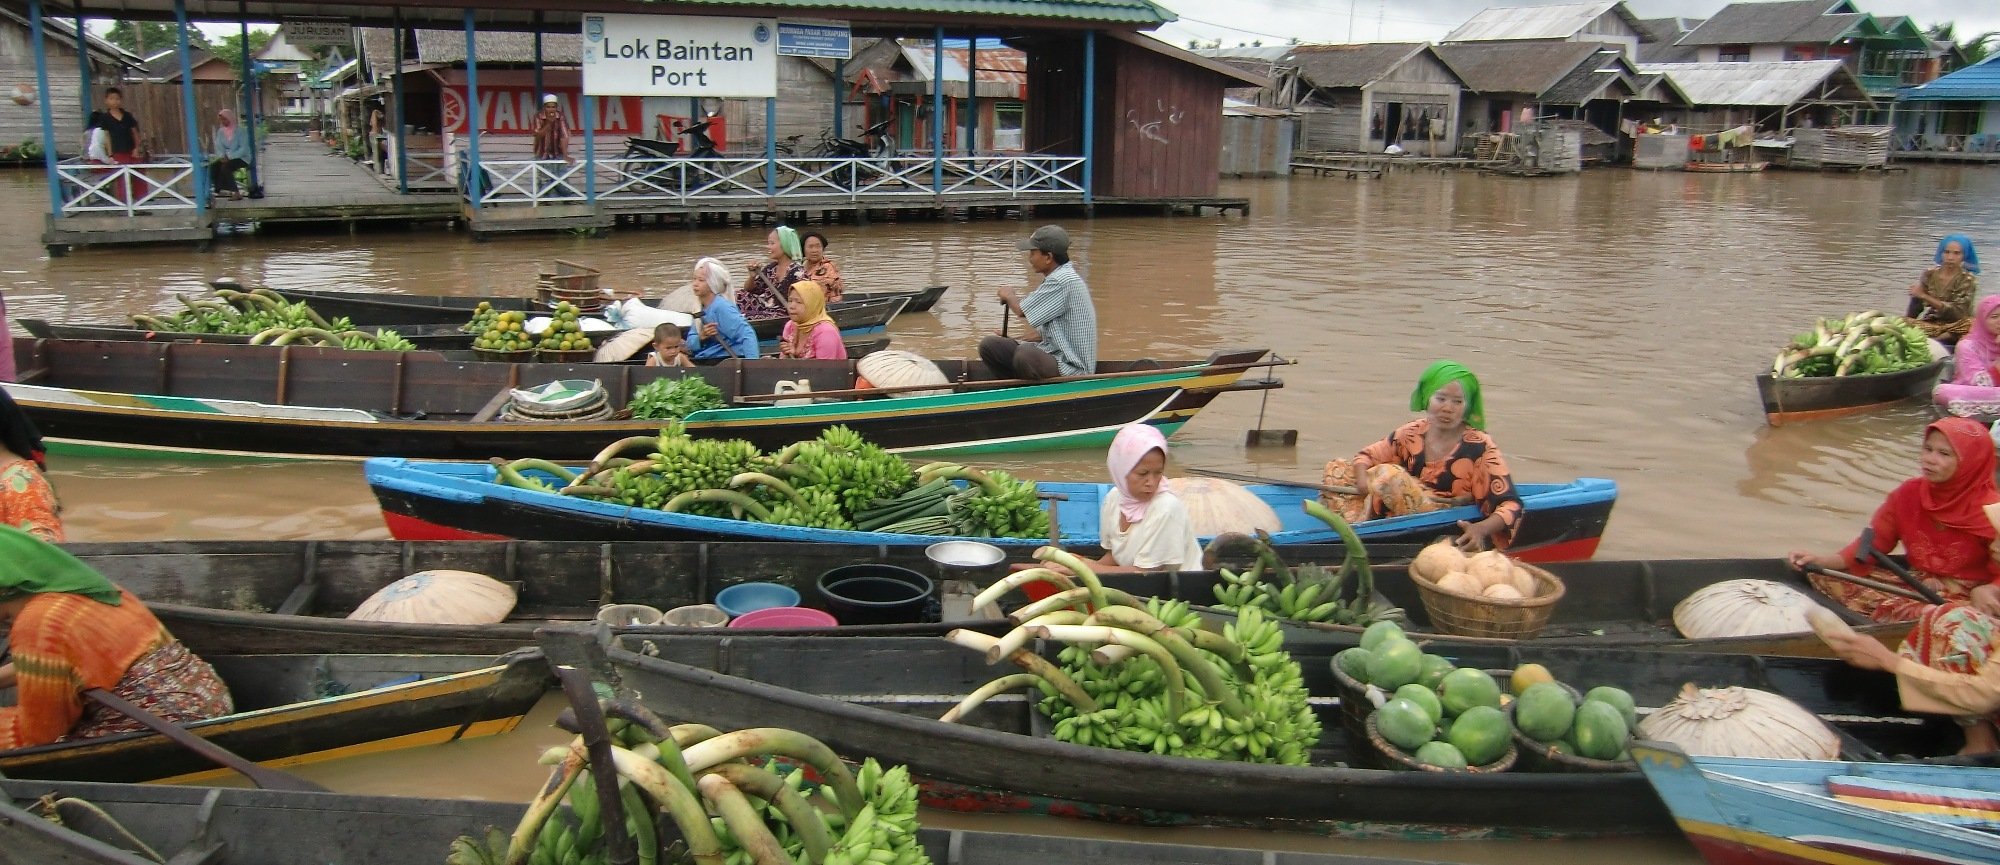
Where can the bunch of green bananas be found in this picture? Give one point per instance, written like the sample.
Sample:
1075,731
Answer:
1309,593
687,464
380,340
1003,508
244,313
856,470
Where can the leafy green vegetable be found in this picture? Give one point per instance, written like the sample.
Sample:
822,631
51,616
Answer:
664,399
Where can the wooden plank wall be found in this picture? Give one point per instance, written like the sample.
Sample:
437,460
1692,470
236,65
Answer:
161,121
1055,96
17,66
1162,137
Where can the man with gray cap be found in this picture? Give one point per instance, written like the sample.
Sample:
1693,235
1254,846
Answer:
1062,321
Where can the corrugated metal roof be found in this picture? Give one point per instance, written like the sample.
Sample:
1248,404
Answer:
1590,80
1514,67
1562,21
1333,66
1761,23
1003,72
1266,53
1660,34
1774,84
1977,83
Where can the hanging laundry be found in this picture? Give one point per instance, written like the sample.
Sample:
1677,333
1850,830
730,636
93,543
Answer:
1630,128
1698,143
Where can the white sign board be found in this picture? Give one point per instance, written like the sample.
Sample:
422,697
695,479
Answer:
680,55
802,39
303,32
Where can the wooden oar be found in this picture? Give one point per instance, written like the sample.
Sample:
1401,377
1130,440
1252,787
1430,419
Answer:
1868,543
620,847
262,776
1325,488
1865,583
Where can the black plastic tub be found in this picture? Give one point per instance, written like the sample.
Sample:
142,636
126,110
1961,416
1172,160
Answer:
877,595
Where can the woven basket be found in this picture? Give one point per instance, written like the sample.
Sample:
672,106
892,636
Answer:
1391,757
1540,757
1465,616
523,356
1354,704
582,355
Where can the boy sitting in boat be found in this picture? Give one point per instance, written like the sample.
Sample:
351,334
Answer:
669,348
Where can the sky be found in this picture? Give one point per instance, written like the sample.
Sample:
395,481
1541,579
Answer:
1276,21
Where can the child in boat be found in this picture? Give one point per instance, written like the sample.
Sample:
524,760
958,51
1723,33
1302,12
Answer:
669,348
72,630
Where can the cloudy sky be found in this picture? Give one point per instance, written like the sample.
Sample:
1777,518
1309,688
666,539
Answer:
1275,21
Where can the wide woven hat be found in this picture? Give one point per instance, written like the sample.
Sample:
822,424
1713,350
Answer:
439,598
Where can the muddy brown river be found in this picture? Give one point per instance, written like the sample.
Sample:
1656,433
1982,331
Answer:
1615,320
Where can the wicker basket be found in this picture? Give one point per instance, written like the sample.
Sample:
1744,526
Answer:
1540,757
1464,616
523,356
1391,757
1355,706
572,282
582,355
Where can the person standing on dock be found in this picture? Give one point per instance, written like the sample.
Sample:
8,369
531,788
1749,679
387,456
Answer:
551,130
119,125
1062,320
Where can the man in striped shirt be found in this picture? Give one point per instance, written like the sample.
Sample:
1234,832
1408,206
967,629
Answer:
1062,322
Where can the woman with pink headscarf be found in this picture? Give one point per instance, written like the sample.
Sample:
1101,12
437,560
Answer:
1141,525
1974,389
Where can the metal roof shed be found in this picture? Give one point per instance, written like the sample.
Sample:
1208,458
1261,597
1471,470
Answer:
1773,93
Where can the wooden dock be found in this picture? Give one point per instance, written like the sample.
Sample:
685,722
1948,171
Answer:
1352,165
1957,156
305,183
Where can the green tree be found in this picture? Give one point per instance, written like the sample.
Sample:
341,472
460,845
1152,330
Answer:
146,38
230,49
1975,48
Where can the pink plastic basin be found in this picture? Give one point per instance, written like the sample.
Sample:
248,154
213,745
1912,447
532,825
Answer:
784,617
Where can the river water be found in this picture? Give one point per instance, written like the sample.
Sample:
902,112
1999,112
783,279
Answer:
1615,320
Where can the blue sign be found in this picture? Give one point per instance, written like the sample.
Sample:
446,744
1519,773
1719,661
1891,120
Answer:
815,40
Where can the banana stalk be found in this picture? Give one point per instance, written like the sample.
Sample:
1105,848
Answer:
664,737
805,819
1078,567
566,475
1015,580
765,741
743,820
727,497
1176,686
783,488
522,844
1212,683
650,443
680,803
1017,639
689,735
987,691
1032,663
1068,599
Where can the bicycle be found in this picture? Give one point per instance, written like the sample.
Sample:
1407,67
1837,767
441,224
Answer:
829,147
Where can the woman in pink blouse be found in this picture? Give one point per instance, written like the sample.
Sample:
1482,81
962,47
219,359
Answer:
811,334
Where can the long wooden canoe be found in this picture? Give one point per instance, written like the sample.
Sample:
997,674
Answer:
258,597
434,501
371,309
856,320
302,708
877,697
179,399
214,826
1789,400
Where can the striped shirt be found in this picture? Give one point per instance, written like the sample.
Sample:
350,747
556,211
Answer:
1061,309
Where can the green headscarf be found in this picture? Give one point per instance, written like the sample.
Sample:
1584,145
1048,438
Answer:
1445,372
788,240
32,566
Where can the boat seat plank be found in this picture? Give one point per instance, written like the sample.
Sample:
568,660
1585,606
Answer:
493,406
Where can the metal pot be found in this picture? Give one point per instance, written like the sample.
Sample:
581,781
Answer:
969,561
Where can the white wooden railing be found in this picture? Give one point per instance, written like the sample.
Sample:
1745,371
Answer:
696,181
424,168
164,184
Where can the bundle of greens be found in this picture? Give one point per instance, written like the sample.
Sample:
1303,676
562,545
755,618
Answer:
1865,343
673,399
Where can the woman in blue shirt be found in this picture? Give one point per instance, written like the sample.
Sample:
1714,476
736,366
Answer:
231,145
720,331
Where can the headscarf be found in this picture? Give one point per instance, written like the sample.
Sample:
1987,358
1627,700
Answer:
1132,444
1442,373
1958,503
1979,348
228,116
813,296
32,566
1965,243
788,242
18,433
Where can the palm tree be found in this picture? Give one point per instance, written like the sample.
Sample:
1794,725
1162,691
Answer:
1974,49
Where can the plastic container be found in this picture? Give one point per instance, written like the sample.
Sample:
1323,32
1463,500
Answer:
785,617
744,598
877,594
627,615
696,616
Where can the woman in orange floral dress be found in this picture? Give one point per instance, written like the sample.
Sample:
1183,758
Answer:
27,502
1440,460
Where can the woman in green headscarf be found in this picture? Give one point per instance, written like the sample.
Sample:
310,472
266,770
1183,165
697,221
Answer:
763,296
1440,460
72,630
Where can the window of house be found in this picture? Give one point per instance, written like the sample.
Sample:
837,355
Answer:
1009,118
1733,53
1802,52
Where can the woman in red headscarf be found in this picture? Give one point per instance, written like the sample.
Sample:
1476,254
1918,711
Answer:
1944,520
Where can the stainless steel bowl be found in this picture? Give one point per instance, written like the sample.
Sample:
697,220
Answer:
971,561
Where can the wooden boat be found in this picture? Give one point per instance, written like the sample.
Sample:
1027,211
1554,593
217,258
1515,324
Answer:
1788,400
215,826
272,597
324,403
301,708
1755,812
427,501
856,320
371,309
1725,167
876,697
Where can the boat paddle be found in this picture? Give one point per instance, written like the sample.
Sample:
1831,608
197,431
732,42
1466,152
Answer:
619,846
1325,488
263,776
1868,543
1864,582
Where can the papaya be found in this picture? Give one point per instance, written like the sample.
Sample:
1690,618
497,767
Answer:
1416,693
1618,699
1600,731
1395,663
1404,724
1372,638
1354,663
1435,668
1481,733
1465,688
1526,675
1443,755
1544,712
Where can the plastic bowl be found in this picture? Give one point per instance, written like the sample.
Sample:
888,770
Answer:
696,616
750,597
785,617
626,615
877,594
